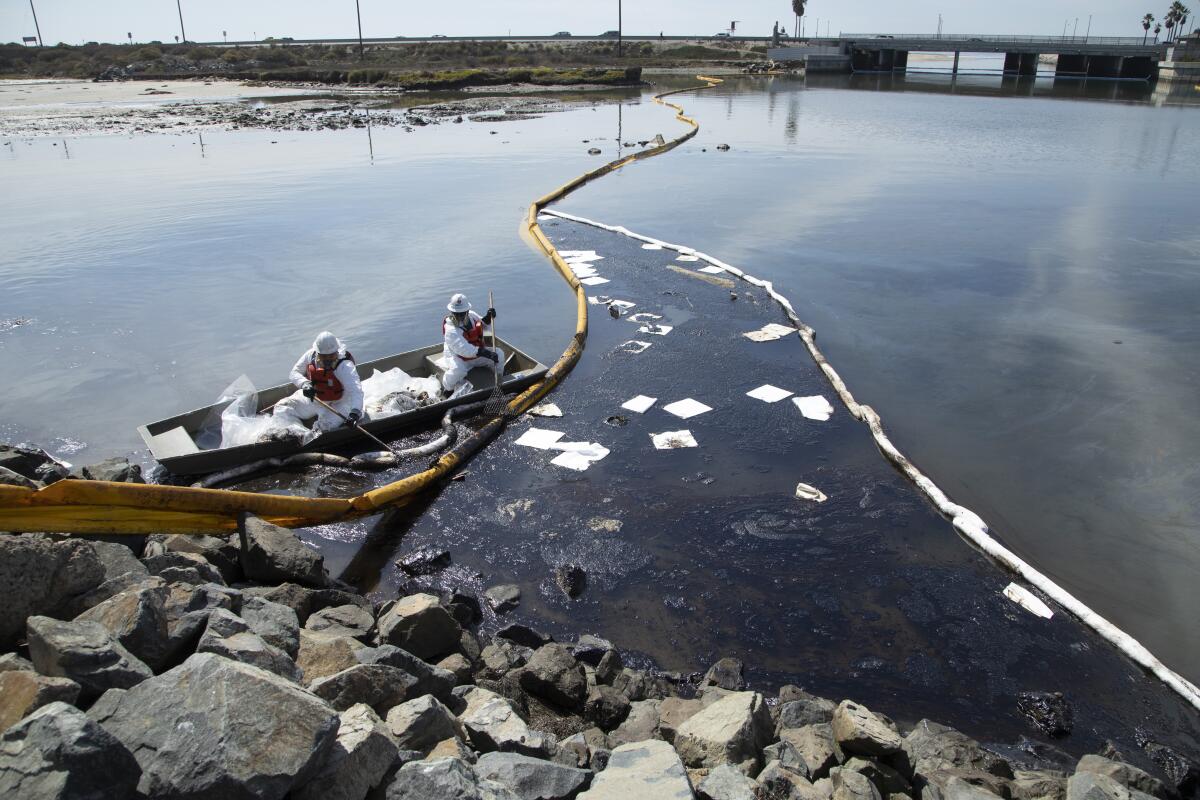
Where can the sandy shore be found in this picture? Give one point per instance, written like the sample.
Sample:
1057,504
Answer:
23,94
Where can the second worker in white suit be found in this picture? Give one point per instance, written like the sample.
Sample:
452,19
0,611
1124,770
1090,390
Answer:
326,372
463,346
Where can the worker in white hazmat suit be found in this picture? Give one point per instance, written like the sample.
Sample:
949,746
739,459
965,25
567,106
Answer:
463,346
325,372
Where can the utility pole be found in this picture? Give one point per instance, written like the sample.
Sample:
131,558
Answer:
130,35
181,30
37,27
362,55
620,29
817,27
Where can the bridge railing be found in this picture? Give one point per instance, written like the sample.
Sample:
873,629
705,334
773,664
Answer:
991,39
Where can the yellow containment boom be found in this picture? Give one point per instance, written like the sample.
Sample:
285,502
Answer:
78,506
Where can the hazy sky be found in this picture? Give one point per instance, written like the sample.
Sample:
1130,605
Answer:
75,21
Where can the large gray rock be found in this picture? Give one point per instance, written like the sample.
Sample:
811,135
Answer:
492,723
86,653
23,692
216,728
788,756
732,730
349,620
306,601
42,576
501,656
430,679
777,782
358,761
118,559
274,555
554,675
949,786
887,780
443,779
276,623
532,778
727,783
503,598
931,747
649,770
421,723
851,785
188,608
816,747
728,674
230,636
640,724
1038,785
420,625
804,709
859,731
183,568
11,662
324,654
1127,775
606,707
673,712
57,753
138,620
377,685
220,552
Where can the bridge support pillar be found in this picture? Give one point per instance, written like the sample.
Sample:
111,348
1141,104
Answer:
1023,64
954,70
900,64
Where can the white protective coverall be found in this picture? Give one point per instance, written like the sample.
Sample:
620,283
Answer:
300,409
459,355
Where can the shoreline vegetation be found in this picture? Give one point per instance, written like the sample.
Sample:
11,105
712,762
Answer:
404,66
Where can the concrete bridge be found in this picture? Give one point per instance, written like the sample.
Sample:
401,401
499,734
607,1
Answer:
1086,57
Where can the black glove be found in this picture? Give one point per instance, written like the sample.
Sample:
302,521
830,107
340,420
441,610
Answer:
489,316
354,416
490,355
308,390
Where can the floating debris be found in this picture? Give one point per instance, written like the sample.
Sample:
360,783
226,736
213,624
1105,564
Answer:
539,438
593,281
768,393
815,407
711,270
657,330
643,317
634,346
617,421
652,247
769,333
806,492
546,410
673,440
687,408
688,258
640,404
1027,600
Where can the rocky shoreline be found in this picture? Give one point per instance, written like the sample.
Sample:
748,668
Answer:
197,666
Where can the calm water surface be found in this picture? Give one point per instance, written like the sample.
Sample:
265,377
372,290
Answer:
1007,271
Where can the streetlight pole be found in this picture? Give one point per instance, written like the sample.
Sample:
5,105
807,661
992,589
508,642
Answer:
1065,23
620,29
37,27
183,33
1089,28
1075,29
362,55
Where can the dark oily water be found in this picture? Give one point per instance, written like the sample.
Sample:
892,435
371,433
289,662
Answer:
1009,279
698,553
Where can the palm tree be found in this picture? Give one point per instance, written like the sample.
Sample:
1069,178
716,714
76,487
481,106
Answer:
1157,31
1169,23
1147,21
1183,18
798,10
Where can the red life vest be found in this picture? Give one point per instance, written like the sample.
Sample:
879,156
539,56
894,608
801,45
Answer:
473,334
326,384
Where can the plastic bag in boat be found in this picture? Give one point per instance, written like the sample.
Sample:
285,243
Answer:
239,423
394,392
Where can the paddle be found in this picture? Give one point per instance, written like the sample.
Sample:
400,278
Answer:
358,427
495,402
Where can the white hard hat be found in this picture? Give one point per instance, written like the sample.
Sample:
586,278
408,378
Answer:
326,344
458,304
